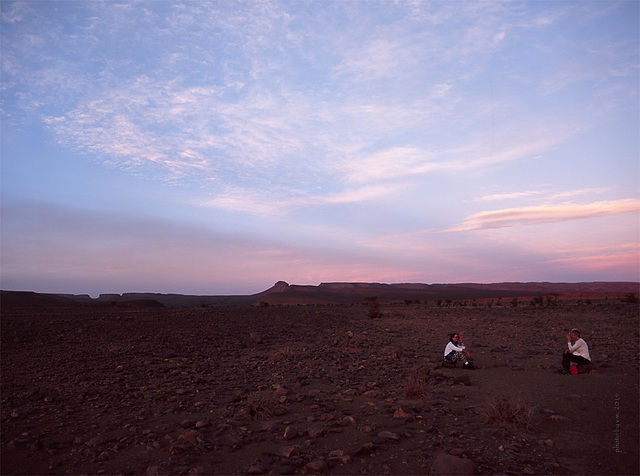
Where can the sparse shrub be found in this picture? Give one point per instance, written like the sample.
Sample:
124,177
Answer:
374,307
512,412
630,298
284,353
514,302
259,405
395,351
416,387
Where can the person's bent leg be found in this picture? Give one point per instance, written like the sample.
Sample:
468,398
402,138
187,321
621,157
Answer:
578,359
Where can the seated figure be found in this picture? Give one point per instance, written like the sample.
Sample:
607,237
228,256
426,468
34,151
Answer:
577,352
455,352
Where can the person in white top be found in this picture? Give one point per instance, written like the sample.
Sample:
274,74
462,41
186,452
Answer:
578,352
455,351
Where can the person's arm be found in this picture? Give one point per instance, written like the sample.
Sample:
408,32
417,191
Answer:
574,347
462,349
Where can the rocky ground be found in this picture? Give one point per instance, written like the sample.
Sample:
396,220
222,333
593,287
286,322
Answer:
313,390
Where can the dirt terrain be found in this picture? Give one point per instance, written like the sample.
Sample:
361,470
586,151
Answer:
317,390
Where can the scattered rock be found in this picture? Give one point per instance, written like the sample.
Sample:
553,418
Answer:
281,391
316,467
290,433
97,441
191,437
255,469
387,435
446,465
315,432
365,450
288,451
156,471
400,413
463,379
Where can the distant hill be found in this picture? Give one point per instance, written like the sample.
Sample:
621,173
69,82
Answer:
283,293
344,292
29,298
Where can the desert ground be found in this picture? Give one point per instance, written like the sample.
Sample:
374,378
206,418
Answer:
317,390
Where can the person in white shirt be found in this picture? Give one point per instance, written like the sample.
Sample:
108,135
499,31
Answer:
578,352
456,352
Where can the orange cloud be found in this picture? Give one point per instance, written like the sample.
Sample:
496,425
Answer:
509,217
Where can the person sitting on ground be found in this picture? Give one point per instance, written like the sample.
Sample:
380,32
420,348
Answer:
578,352
455,351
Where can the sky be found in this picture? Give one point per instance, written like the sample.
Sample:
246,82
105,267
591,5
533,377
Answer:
217,147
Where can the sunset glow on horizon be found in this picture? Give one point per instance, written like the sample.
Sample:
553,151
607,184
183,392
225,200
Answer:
218,147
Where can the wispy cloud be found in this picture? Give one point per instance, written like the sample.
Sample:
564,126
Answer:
15,11
379,58
390,164
543,194
546,214
506,196
279,203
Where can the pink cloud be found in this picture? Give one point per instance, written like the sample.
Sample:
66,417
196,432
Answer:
509,217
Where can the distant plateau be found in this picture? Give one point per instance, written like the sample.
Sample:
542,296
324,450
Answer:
283,293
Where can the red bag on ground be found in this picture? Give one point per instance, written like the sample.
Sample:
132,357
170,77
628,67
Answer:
573,370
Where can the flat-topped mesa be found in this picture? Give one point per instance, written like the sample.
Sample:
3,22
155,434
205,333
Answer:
279,287
345,285
109,296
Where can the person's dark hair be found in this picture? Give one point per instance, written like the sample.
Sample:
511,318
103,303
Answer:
452,336
575,331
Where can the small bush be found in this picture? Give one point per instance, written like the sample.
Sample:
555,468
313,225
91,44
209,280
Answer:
284,353
374,307
512,412
416,387
258,405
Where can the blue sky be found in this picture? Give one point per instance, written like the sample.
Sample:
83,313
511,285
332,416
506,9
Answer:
217,147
